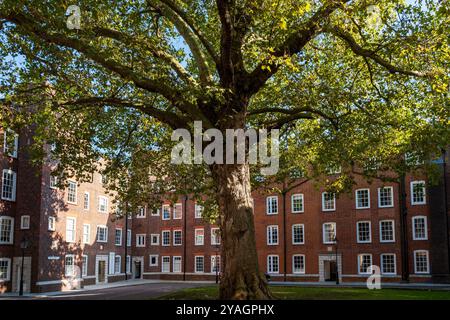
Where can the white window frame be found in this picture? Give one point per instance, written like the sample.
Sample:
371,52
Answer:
162,238
293,264
323,202
165,264
151,239
302,198
8,270
5,144
414,227
86,201
155,213
303,233
180,206
181,237
156,256
66,273
198,211
140,236
180,265
323,232
395,263
215,236
51,224
392,197
24,226
416,182
269,207
129,237
73,183
197,237
356,198
141,214
88,239
270,230
359,265
214,258
115,236
358,240
99,204
270,265
115,264
84,265
53,183
106,233
165,206
415,262
11,233
14,184
74,238
195,264
393,231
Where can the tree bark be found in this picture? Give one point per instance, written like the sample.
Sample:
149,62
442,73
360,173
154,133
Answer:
240,277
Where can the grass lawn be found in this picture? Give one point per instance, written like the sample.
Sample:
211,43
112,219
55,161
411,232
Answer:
322,293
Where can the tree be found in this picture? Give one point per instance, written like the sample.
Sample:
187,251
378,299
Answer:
344,80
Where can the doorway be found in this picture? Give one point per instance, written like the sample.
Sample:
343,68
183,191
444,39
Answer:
138,264
330,271
101,265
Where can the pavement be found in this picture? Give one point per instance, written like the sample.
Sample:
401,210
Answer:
151,289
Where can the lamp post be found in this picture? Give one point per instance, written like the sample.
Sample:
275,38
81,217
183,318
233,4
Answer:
336,254
23,245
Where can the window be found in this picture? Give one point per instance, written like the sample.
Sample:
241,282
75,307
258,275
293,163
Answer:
117,264
51,223
199,236
364,263
103,179
198,211
273,265
385,197
102,234
333,169
298,234
328,201
111,263
6,230
420,228
154,239
418,195
165,212
272,235
176,264
86,233
84,266
177,238
102,204
72,192
297,203
5,269
129,238
10,147
128,262
272,205
165,238
9,185
141,213
363,231
215,264
298,263
140,240
199,264
153,258
155,212
388,265
70,229
165,264
25,222
215,236
421,263
118,237
69,263
362,199
86,201
53,182
329,232
387,233
177,211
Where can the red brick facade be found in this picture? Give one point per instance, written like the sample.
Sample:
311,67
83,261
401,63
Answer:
51,254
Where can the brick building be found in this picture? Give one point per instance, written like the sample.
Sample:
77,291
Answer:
305,234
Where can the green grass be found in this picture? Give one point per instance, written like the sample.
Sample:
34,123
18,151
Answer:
322,293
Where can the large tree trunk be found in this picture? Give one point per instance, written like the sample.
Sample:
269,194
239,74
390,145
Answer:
240,278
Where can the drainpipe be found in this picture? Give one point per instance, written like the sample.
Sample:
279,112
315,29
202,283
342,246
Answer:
284,235
403,229
185,199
